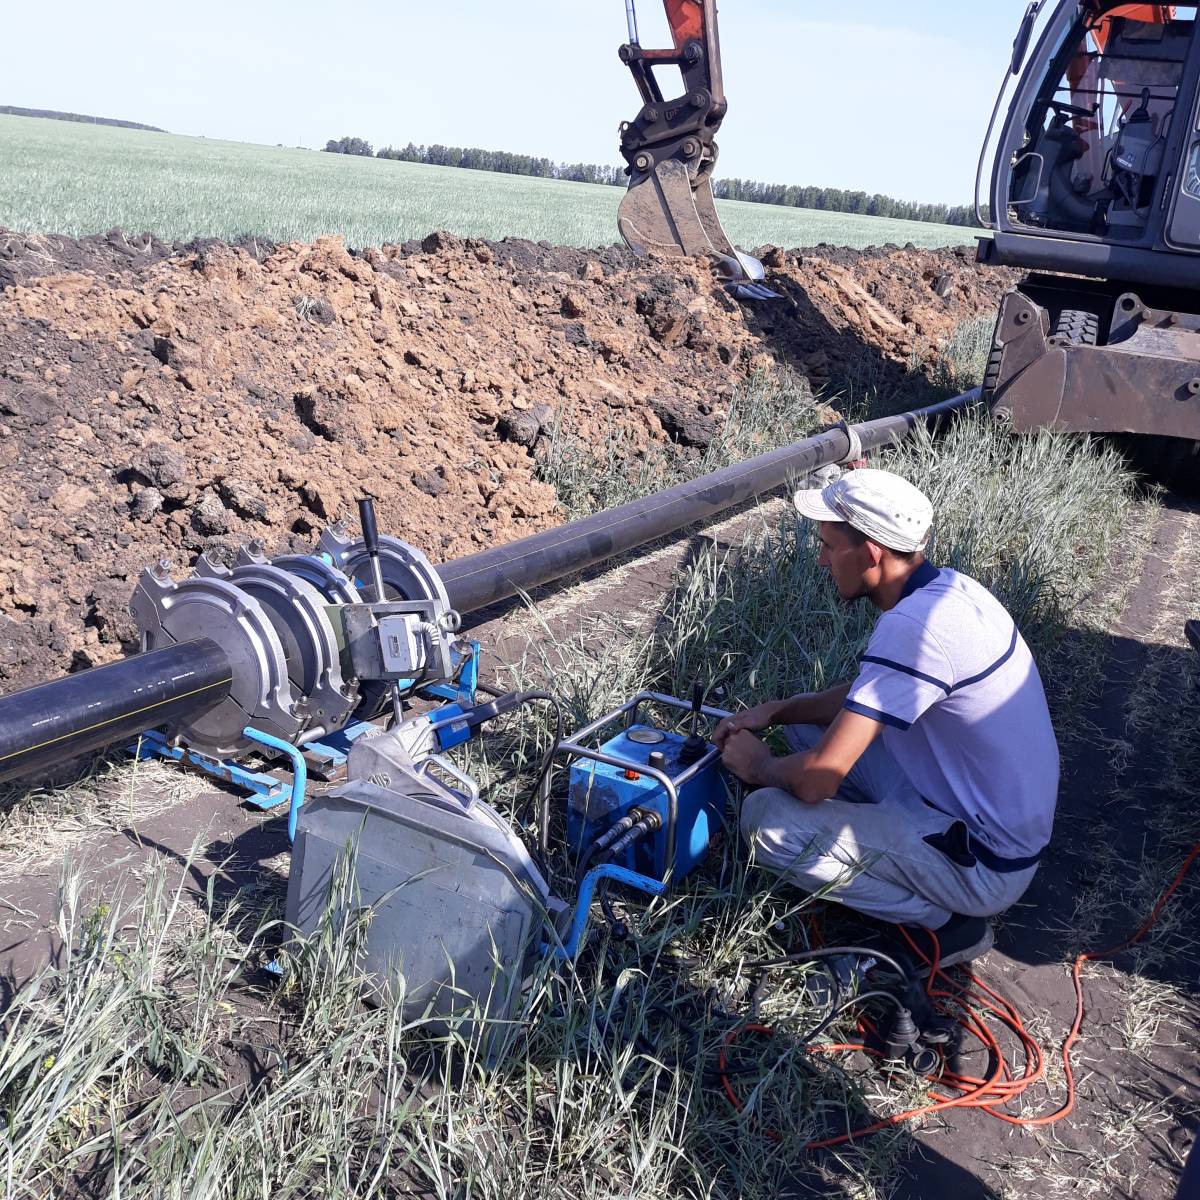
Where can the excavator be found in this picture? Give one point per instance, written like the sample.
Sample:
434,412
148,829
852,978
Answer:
1094,193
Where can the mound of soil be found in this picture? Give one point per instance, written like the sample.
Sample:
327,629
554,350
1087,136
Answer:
159,400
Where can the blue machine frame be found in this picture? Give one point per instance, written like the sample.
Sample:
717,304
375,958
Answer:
265,790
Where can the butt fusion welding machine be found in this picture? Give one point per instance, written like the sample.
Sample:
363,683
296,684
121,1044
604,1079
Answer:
321,646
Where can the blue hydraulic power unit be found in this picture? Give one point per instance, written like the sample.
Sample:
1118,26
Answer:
601,793
647,769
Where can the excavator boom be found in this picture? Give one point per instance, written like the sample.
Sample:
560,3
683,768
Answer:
670,147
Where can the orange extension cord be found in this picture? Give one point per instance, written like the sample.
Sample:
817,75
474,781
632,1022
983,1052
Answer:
972,1007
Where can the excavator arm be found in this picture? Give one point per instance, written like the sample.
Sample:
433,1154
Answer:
670,147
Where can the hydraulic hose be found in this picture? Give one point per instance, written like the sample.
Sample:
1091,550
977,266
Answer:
647,822
605,840
53,722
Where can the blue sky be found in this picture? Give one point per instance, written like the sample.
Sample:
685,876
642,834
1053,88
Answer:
871,95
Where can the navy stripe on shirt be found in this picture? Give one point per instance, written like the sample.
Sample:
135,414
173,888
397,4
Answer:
1012,646
896,666
949,689
875,715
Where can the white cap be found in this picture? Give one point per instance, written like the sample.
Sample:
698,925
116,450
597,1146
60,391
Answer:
888,509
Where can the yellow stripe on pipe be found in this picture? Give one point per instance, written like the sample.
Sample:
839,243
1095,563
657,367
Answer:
124,716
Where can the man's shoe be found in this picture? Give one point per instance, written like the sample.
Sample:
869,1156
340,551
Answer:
960,940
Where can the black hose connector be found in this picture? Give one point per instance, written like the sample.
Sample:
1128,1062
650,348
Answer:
605,840
900,1035
648,822
489,710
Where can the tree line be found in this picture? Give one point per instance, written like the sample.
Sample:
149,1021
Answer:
54,115
822,199
841,200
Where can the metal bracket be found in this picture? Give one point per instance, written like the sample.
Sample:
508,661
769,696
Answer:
583,903
265,791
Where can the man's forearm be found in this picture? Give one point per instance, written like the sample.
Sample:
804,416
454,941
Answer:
799,774
813,708
812,775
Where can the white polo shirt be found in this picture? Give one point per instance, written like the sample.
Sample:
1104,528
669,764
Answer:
952,681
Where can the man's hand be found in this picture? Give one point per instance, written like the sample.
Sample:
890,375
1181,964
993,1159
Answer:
744,755
812,776
760,717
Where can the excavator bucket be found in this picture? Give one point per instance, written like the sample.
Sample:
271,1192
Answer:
669,208
660,214
667,212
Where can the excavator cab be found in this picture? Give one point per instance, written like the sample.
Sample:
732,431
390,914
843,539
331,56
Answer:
670,148
1092,147
1095,190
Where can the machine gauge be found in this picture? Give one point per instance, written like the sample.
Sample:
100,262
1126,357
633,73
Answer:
647,737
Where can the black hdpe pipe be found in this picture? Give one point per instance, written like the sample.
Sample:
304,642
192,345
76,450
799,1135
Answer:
492,575
55,721
47,724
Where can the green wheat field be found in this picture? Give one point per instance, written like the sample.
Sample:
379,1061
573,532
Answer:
72,178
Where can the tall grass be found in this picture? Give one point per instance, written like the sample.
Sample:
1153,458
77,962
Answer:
963,358
156,1063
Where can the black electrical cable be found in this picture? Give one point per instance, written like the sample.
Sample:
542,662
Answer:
800,956
835,1011
672,1062
540,792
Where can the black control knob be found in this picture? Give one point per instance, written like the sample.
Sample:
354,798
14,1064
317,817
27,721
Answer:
657,760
